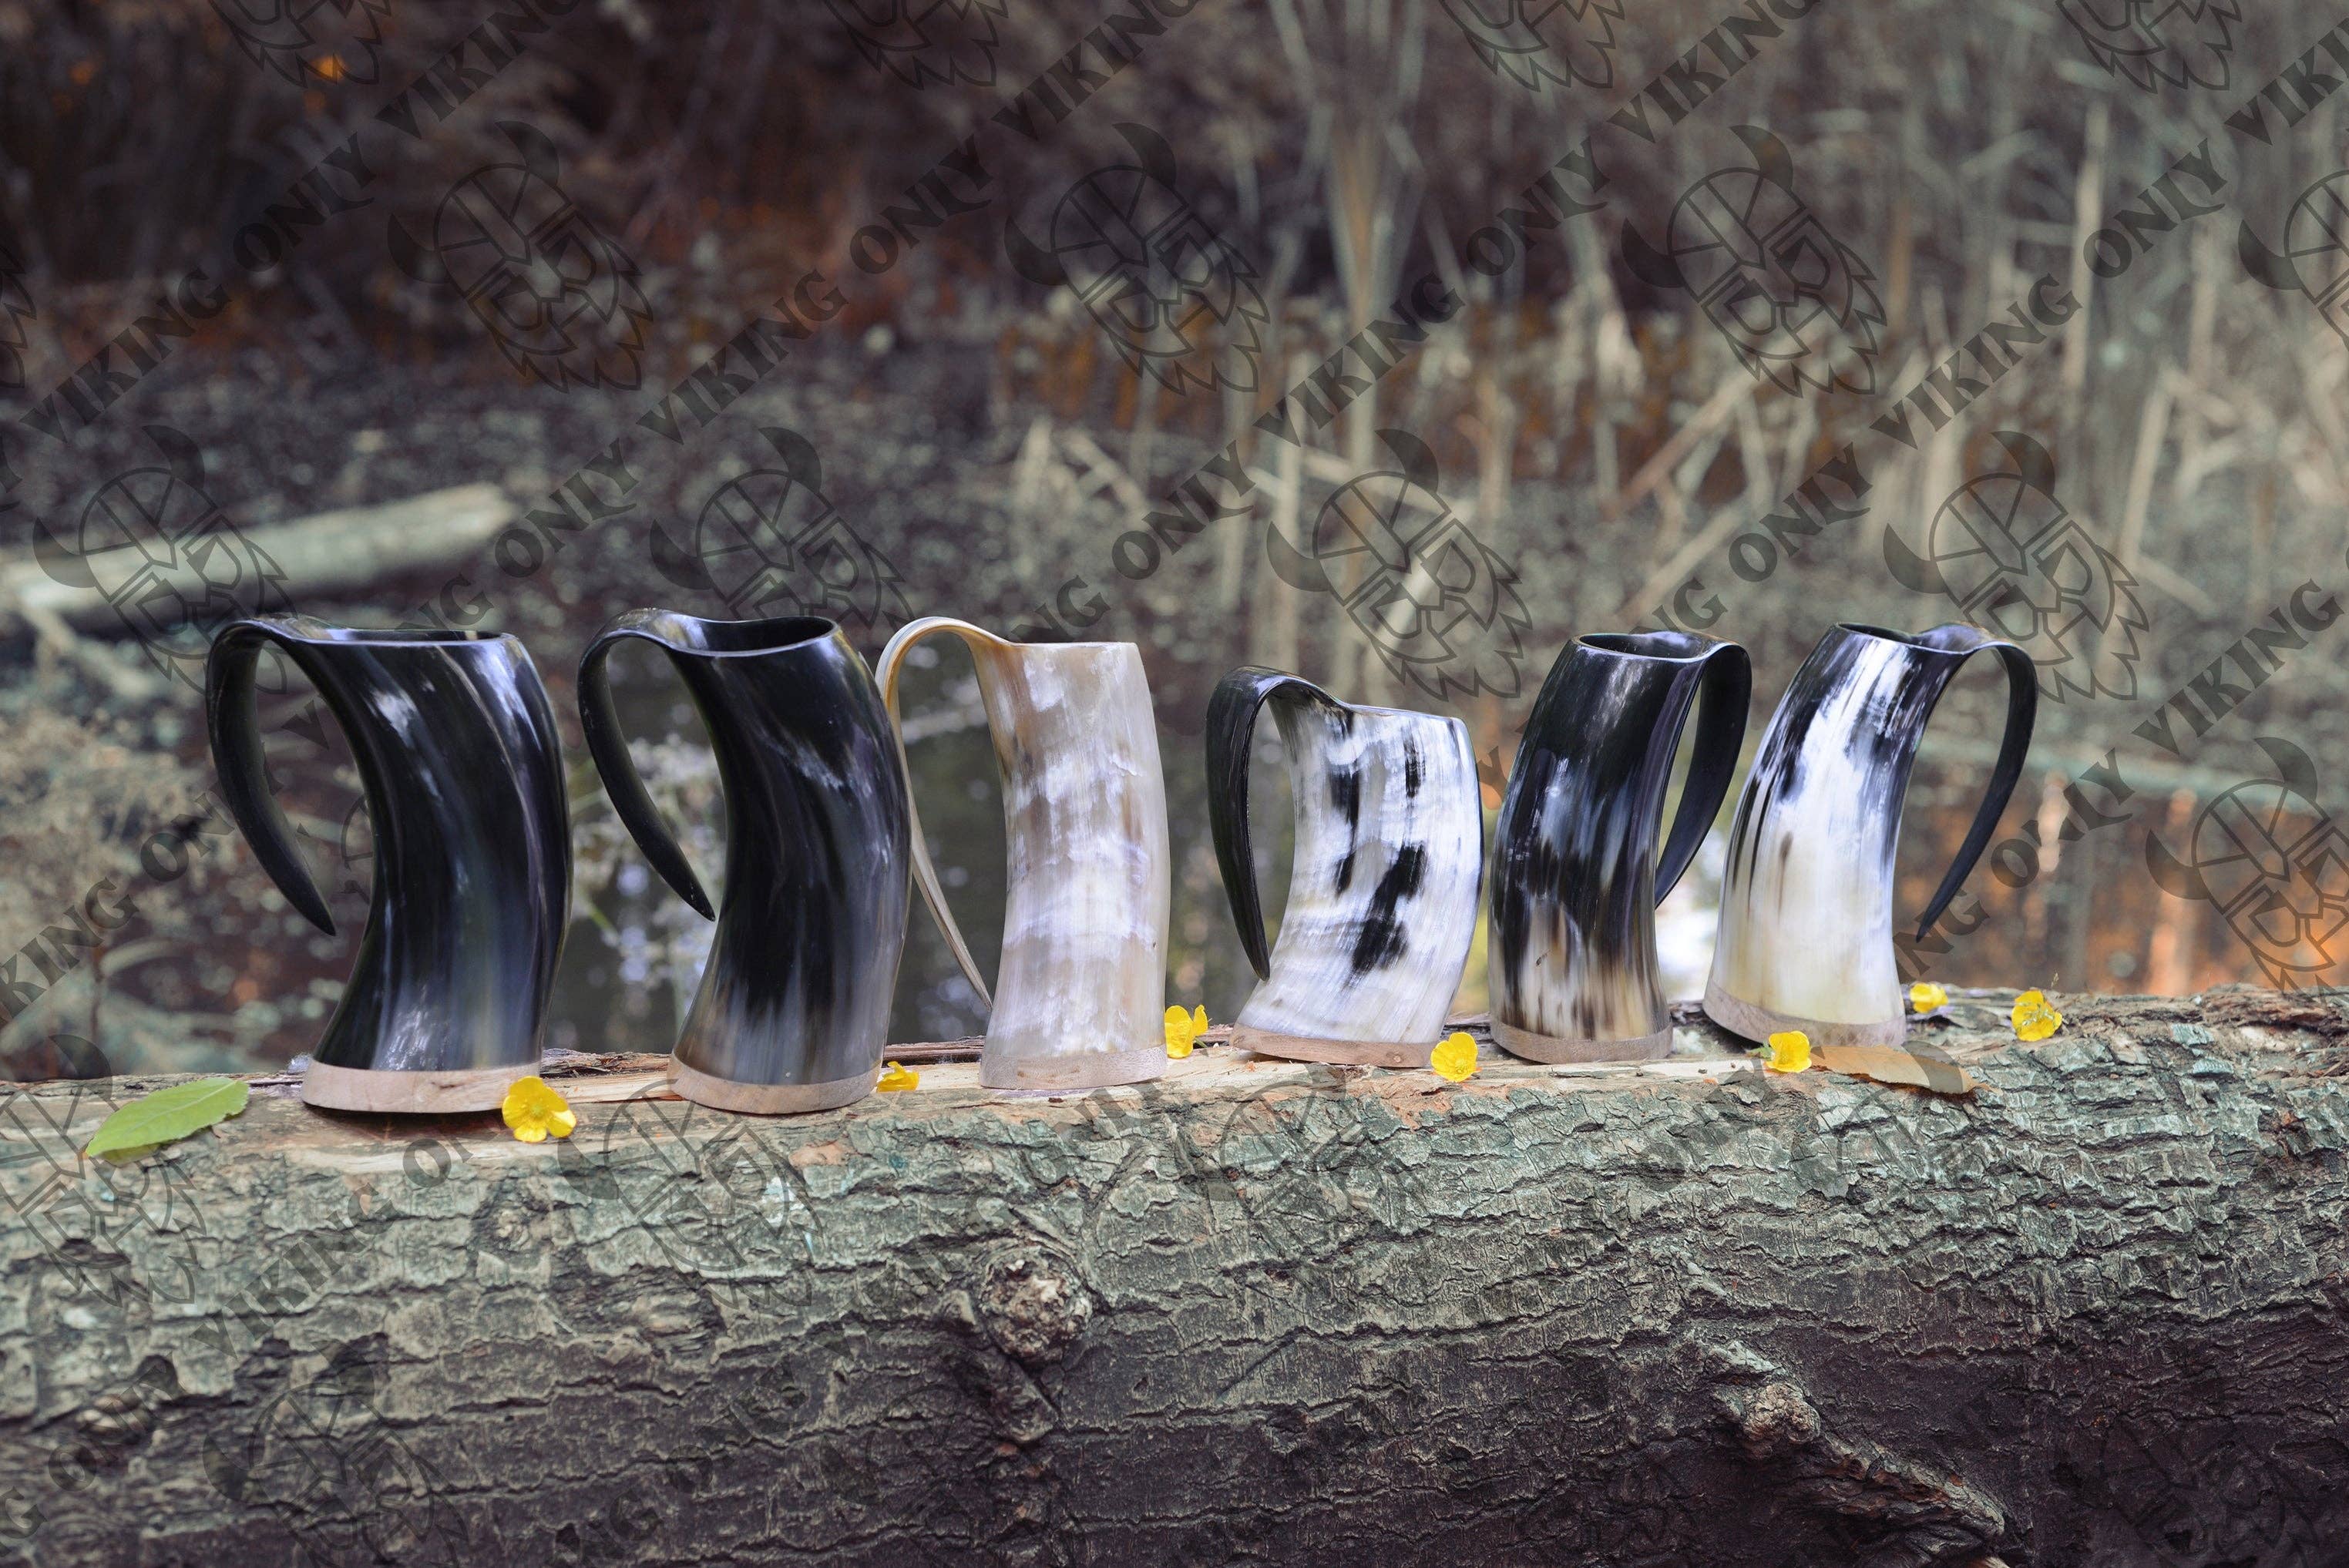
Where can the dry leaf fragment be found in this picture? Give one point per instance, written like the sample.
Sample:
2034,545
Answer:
1890,1064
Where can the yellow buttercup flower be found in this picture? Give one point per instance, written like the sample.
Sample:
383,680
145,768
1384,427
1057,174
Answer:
2034,1018
1455,1058
1184,1029
1790,1051
1924,996
535,1111
896,1078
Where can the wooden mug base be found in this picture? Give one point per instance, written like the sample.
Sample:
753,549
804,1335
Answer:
1343,1053
1758,1024
416,1093
1558,1052
770,1098
1077,1069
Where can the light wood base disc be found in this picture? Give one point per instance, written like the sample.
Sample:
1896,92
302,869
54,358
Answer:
1760,1023
1086,1069
1558,1052
409,1093
771,1098
1344,1053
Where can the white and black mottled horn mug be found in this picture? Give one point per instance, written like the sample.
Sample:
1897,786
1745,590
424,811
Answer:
1382,884
1806,939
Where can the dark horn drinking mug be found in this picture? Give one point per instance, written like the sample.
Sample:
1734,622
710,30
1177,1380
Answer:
456,747
1571,962
792,1009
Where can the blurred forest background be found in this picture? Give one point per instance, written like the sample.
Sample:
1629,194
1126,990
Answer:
983,441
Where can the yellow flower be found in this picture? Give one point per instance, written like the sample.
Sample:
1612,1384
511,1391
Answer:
2035,1018
897,1078
1455,1058
1790,1051
534,1110
1924,996
1184,1029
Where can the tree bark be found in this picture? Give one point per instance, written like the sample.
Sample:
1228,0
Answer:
1689,1315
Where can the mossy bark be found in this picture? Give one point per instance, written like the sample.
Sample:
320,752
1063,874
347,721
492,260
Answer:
2092,1313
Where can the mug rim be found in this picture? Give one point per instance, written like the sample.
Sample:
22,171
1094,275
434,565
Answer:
1375,710
310,629
778,639
1700,646
1933,640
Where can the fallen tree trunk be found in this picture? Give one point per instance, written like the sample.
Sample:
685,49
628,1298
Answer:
2089,1313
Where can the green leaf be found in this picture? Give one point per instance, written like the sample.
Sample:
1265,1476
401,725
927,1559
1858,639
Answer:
169,1115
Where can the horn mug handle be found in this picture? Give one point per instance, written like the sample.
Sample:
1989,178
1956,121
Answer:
1725,689
600,718
2021,711
980,641
242,758
1231,728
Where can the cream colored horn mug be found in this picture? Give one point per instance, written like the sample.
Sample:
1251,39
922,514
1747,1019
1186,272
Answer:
1080,996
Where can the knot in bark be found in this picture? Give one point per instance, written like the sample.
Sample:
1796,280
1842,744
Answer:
1777,1421
1032,1306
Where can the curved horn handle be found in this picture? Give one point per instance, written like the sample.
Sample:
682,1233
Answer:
605,742
2021,711
1231,730
1727,689
242,761
979,641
